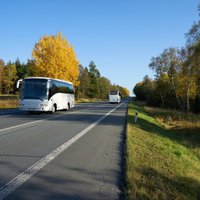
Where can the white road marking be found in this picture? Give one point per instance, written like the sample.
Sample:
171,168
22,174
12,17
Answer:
17,126
12,185
5,116
53,117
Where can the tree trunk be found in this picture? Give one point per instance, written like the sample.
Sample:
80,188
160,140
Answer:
187,97
176,95
162,100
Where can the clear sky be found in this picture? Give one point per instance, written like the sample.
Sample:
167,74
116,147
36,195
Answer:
120,36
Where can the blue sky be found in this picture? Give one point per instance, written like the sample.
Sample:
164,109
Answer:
120,36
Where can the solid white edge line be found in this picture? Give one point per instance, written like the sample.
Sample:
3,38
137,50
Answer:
12,185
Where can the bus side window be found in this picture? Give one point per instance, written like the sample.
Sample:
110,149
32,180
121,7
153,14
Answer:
51,89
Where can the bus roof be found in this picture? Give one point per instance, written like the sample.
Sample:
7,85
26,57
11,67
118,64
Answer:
47,78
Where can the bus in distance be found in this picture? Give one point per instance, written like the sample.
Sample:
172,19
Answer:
45,94
114,96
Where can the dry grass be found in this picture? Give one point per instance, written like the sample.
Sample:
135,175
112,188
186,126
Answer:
9,102
174,119
82,100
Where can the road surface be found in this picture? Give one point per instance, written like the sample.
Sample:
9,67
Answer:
76,154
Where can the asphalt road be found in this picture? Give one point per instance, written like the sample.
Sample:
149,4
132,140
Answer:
76,154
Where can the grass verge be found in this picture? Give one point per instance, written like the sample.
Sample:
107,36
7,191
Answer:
9,101
82,100
161,162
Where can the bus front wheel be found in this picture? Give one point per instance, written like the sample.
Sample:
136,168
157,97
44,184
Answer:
68,107
53,109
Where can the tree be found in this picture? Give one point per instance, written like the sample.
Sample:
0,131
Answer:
2,65
177,71
139,91
193,63
94,80
22,69
169,62
125,92
187,77
84,87
55,57
146,91
163,87
104,87
179,67
10,77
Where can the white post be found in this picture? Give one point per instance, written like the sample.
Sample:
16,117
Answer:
136,118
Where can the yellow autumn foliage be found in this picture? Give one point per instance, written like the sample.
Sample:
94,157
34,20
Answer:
126,92
54,57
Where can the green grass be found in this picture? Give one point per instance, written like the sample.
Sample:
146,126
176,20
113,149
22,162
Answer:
160,163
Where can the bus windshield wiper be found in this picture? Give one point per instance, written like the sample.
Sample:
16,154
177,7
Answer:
29,97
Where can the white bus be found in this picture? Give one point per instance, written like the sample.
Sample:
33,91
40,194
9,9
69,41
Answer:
45,94
114,96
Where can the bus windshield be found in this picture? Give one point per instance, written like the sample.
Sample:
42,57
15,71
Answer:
113,92
34,89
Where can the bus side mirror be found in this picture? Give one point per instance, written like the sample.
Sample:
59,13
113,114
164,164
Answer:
19,82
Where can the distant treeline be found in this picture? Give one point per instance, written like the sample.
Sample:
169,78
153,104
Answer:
177,76
91,83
